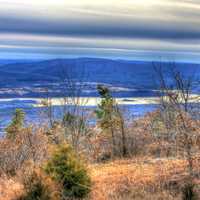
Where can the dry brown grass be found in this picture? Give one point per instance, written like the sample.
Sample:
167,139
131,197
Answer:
10,189
136,179
139,179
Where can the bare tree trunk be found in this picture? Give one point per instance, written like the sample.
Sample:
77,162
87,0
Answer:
124,147
113,141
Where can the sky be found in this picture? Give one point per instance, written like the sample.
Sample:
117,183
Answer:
121,29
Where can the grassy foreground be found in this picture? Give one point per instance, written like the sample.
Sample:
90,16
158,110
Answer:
141,178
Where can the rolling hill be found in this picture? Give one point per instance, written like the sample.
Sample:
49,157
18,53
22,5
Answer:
126,78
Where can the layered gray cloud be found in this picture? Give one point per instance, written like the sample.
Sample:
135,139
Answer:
113,28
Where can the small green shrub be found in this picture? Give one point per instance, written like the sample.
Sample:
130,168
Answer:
65,168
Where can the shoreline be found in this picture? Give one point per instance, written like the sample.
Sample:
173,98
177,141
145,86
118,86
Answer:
92,101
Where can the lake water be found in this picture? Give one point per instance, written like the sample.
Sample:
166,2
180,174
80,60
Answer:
36,114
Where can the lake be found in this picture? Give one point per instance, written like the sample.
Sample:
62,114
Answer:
36,114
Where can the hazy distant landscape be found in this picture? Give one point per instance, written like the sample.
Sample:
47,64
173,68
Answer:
124,78
100,100
22,79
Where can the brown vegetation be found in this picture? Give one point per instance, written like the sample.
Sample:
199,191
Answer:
155,157
141,178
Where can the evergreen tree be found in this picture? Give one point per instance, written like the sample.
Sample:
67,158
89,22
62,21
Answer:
66,169
16,124
105,114
110,118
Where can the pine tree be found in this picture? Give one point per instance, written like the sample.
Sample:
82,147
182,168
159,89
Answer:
110,119
106,114
16,124
66,169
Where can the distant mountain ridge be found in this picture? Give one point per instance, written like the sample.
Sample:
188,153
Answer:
13,61
31,78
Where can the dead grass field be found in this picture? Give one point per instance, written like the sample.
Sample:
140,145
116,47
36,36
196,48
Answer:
137,179
9,189
142,178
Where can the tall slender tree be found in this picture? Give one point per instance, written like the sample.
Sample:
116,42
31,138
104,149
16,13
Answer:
110,118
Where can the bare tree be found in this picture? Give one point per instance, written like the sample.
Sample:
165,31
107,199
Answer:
179,111
49,110
73,82
123,131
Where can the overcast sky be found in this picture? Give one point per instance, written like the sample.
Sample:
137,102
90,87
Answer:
129,29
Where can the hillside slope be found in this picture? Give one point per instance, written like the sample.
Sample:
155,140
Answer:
130,78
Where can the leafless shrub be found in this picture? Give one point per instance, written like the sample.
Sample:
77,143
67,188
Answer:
36,184
180,115
30,144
